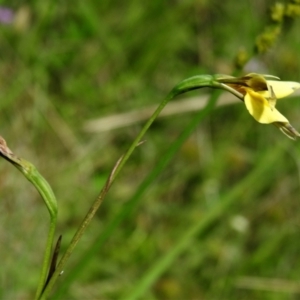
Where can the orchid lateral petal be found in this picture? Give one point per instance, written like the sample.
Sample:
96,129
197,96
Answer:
260,109
281,88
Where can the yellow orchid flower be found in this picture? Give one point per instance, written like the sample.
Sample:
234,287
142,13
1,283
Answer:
260,95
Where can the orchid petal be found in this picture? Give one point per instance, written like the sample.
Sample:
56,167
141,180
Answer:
261,110
281,88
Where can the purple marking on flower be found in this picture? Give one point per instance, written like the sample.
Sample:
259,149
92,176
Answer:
6,15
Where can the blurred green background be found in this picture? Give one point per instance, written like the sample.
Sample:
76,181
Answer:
228,200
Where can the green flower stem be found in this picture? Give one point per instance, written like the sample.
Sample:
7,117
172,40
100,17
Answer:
189,84
184,86
135,199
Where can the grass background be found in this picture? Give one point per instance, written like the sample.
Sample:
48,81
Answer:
227,202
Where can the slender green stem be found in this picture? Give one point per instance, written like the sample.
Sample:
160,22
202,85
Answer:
184,86
141,134
133,202
86,221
